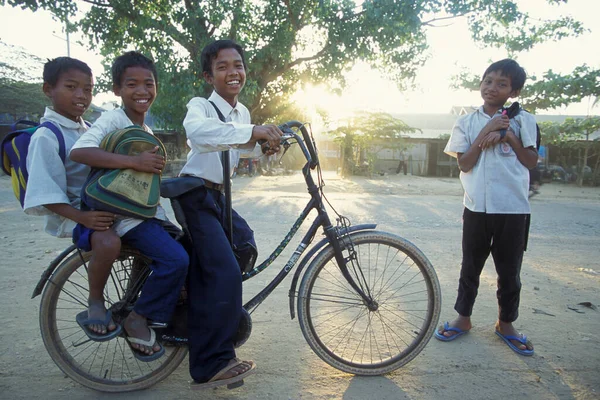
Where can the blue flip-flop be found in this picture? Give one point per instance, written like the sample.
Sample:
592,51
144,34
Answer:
447,328
84,322
521,339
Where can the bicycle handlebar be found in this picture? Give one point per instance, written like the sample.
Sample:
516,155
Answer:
305,142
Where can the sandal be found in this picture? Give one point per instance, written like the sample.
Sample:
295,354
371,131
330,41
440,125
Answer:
140,355
233,382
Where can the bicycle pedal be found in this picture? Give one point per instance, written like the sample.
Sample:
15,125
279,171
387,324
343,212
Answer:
236,384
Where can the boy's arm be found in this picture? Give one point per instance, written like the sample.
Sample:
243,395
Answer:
524,147
96,220
468,159
209,134
87,150
147,161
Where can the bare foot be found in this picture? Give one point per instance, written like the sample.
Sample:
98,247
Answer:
507,329
461,322
136,326
97,311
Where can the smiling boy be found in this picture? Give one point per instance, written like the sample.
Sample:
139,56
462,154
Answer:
134,80
215,281
494,155
54,186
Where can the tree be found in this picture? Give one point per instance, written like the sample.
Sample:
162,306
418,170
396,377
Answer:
290,42
574,133
364,135
21,98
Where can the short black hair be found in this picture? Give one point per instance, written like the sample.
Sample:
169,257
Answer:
54,68
211,50
129,60
511,69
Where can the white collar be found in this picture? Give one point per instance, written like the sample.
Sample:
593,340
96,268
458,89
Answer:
222,104
62,120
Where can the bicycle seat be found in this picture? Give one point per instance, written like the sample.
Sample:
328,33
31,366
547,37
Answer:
174,187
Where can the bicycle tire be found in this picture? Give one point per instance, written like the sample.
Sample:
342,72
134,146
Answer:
328,307
104,366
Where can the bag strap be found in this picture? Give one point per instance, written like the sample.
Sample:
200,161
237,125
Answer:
226,182
62,149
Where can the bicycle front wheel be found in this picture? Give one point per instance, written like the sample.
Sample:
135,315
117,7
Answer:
105,366
374,340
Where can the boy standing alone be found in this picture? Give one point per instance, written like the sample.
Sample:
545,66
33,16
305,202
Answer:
215,281
134,80
494,155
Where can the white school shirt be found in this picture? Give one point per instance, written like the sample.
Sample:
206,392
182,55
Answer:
108,122
208,136
50,180
498,183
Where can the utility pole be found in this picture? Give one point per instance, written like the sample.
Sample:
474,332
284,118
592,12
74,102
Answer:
68,40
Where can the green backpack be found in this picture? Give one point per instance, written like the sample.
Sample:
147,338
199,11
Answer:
125,191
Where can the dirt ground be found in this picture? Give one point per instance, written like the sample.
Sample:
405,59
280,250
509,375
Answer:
560,270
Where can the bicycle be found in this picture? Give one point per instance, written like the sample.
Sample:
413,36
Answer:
367,304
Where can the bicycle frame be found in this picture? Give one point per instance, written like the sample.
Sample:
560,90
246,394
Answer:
332,237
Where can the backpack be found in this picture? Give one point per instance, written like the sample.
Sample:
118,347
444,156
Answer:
15,147
125,191
513,111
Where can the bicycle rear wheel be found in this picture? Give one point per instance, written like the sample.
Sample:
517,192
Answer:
339,326
105,366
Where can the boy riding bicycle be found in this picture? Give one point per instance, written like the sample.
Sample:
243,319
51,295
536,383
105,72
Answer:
134,80
215,282
54,186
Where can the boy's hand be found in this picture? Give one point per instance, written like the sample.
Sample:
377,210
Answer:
149,161
97,220
497,123
271,133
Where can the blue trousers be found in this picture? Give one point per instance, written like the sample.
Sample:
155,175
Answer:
215,285
169,269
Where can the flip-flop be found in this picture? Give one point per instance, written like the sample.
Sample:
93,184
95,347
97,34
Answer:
521,339
233,382
447,328
140,355
84,323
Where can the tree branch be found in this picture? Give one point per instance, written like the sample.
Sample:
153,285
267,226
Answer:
429,22
98,4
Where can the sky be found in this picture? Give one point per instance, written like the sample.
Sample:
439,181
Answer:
451,51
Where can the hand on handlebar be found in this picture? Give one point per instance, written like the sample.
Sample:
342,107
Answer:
268,136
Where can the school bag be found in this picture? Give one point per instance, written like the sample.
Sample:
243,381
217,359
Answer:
15,147
125,191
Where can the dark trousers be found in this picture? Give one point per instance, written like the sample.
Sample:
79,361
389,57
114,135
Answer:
215,285
401,166
504,236
169,269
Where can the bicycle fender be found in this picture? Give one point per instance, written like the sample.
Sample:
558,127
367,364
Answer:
317,247
50,269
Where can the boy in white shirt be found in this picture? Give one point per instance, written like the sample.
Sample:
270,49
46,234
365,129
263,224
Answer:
494,155
215,281
134,80
54,186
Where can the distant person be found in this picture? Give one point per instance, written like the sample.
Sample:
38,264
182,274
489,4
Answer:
54,186
134,80
402,164
494,155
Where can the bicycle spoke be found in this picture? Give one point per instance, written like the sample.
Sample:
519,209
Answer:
345,331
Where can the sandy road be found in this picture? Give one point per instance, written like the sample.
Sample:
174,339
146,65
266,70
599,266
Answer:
560,270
